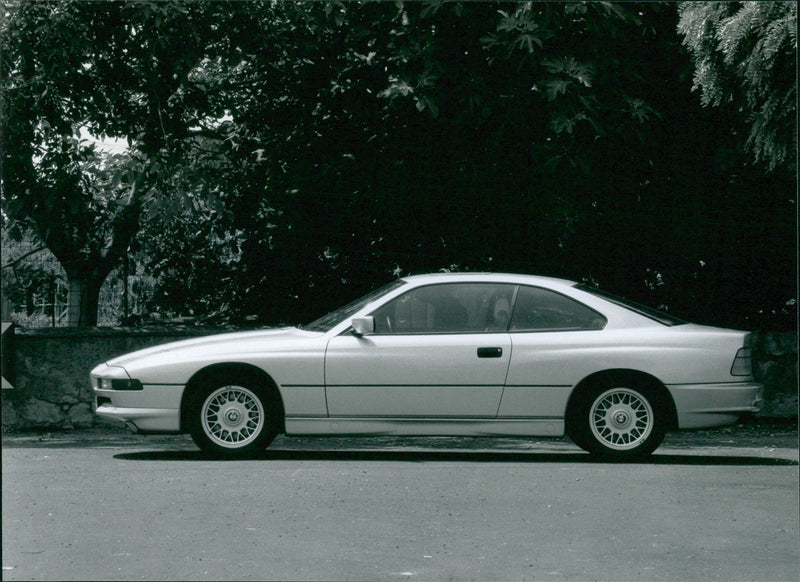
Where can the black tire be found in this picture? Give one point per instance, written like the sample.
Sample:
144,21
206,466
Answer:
232,418
618,421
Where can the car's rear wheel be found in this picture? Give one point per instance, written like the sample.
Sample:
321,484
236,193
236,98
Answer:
621,422
231,419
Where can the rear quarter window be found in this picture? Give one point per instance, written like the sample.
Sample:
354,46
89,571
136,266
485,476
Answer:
538,309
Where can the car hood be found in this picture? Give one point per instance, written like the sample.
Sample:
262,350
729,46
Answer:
239,343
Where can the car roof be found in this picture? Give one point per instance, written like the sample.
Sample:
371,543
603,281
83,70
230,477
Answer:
488,278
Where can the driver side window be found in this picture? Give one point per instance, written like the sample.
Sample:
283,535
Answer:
447,308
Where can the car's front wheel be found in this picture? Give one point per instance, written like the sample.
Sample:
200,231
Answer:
231,419
620,422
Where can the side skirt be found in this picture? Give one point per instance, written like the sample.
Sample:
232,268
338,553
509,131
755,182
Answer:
498,427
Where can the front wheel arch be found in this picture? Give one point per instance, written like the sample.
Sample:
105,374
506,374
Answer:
233,370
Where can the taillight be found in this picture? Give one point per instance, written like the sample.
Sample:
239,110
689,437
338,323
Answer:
743,363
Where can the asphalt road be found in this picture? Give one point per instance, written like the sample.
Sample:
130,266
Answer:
721,505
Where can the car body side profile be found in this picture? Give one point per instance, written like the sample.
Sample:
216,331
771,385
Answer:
444,355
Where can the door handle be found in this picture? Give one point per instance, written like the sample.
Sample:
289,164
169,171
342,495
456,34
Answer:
490,352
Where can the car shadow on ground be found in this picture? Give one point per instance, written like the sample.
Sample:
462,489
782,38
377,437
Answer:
417,456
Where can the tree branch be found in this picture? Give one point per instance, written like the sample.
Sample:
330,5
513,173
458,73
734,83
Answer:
24,256
124,227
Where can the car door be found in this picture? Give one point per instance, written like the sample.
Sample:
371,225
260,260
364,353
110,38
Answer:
437,351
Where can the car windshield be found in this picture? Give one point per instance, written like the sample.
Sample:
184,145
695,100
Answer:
334,318
655,314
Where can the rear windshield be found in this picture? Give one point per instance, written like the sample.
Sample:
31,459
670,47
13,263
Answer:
654,314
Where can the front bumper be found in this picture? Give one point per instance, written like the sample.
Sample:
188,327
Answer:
144,420
713,405
151,408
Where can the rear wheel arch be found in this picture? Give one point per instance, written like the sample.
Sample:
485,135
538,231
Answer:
232,372
627,377
619,381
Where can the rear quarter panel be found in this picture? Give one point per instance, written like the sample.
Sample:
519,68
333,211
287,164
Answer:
546,366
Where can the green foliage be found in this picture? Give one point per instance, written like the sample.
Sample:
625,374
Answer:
191,255
287,156
745,55
120,69
30,273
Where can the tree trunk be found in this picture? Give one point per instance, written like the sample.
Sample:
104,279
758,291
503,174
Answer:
87,274
84,299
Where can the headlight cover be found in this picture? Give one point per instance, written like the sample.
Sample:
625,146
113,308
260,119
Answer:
116,384
116,378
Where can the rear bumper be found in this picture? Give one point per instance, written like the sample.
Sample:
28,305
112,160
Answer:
712,405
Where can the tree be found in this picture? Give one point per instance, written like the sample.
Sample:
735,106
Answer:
296,153
86,214
192,253
745,56
120,69
379,138
563,139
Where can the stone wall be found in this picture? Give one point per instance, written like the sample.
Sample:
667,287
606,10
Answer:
51,372
775,366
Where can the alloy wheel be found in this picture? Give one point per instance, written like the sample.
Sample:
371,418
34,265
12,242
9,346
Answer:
621,419
232,416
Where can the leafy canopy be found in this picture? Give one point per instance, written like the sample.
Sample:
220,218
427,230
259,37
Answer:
745,56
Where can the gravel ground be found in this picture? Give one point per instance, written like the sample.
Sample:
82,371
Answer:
773,433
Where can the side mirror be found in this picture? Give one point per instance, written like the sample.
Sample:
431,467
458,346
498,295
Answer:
363,325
